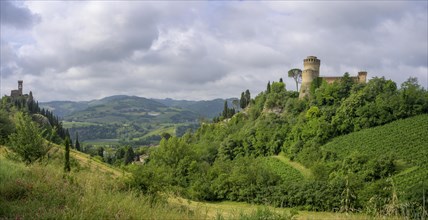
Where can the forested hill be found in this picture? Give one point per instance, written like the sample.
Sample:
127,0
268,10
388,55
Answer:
223,160
207,109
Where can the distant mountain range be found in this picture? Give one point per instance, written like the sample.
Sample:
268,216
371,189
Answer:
122,108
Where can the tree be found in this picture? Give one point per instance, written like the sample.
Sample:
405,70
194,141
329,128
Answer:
129,155
27,142
268,88
100,152
247,97
166,135
67,155
243,102
296,74
67,135
77,144
6,126
225,110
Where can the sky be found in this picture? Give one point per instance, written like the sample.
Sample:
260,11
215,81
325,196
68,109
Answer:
194,50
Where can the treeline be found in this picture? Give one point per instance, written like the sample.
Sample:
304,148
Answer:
220,160
91,132
114,155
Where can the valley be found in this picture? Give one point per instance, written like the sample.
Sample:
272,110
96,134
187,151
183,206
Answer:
131,120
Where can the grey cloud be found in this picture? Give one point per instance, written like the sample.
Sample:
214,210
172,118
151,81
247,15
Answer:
18,17
199,50
110,35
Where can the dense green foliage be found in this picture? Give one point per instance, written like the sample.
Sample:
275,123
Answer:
6,126
45,118
222,161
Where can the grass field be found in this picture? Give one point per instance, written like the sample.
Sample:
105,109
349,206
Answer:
70,124
43,191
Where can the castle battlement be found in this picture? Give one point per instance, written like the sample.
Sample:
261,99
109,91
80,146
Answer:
311,59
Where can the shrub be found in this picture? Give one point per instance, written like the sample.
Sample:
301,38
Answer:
27,141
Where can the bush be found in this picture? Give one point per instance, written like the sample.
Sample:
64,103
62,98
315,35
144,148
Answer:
27,142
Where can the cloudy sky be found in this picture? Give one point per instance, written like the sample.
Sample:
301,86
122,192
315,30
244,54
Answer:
202,50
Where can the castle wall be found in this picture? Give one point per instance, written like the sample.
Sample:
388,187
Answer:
311,70
14,93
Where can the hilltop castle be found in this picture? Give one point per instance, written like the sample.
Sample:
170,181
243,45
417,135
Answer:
311,71
17,92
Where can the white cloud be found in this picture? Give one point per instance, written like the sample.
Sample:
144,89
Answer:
203,50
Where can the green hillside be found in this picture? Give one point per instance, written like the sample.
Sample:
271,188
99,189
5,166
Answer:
406,141
43,191
308,153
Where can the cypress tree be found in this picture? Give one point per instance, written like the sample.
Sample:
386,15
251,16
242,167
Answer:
225,110
242,101
67,155
67,135
247,97
129,155
77,144
268,87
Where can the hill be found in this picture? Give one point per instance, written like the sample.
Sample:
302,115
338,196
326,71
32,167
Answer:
123,109
64,108
131,119
323,164
207,108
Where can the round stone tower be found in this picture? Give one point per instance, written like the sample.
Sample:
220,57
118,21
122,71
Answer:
311,70
20,82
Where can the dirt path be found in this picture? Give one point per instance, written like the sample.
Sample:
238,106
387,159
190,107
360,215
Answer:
307,173
85,159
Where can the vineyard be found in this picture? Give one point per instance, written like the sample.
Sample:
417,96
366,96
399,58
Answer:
405,140
285,171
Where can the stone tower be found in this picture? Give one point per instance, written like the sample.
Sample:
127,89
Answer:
362,76
311,70
20,82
